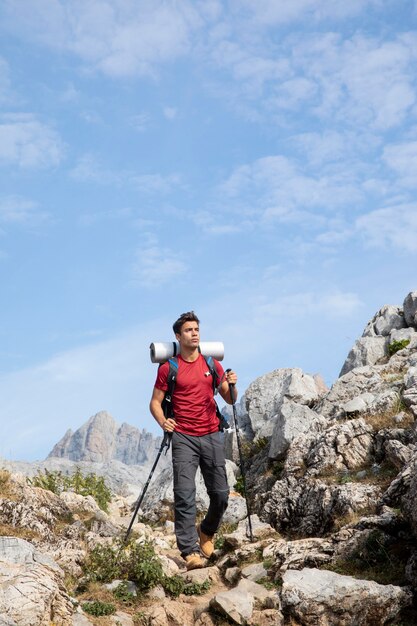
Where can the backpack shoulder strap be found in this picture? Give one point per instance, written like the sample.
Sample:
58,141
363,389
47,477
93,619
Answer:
214,375
171,379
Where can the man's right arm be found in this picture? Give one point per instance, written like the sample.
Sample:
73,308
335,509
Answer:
155,406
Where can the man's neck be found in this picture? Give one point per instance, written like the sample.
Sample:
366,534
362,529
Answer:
190,355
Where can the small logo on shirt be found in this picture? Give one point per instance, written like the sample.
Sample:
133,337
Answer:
206,373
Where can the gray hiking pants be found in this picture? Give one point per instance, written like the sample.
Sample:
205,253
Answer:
189,453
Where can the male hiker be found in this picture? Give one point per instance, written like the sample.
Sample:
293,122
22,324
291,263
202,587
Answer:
196,440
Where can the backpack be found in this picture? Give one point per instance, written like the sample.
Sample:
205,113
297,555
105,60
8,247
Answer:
171,380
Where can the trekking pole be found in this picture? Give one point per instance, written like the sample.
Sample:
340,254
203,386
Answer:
165,444
241,462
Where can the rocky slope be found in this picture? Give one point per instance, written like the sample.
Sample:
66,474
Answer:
332,484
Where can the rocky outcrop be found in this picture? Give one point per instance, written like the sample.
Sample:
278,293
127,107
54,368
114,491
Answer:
266,395
323,598
31,586
389,324
332,485
101,439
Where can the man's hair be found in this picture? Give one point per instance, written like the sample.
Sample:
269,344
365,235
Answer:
190,316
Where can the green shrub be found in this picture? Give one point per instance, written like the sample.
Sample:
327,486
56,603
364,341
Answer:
98,608
123,594
85,485
139,563
397,345
239,485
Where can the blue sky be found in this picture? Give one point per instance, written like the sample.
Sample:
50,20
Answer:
253,161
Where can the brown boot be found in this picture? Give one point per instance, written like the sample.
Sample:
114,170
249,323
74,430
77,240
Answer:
194,561
206,543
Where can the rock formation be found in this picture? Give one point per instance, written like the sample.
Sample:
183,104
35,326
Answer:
101,439
332,482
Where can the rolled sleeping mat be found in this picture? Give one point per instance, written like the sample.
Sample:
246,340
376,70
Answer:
162,351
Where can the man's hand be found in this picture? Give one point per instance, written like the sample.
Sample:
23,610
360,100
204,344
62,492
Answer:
169,425
231,377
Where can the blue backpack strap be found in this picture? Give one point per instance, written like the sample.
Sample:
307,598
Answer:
171,379
214,375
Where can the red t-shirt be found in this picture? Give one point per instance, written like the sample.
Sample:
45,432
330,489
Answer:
193,403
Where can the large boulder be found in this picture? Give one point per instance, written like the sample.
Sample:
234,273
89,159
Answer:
266,395
292,420
309,507
410,309
371,384
384,321
31,586
366,351
323,598
341,447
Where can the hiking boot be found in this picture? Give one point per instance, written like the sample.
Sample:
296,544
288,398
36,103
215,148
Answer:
206,543
194,561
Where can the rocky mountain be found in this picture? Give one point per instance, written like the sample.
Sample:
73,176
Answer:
102,439
332,486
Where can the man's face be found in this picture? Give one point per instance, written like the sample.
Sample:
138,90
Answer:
189,335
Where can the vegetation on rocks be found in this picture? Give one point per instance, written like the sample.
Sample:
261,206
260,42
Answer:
84,485
98,609
395,346
139,563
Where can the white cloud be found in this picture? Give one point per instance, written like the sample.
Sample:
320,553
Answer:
361,81
273,12
282,190
27,143
116,37
140,122
394,226
18,210
89,169
402,159
155,183
332,304
170,113
156,265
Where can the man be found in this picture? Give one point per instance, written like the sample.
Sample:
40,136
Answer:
196,440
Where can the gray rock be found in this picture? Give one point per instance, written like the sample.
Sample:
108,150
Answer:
325,598
410,309
309,507
265,396
366,351
397,453
236,604
300,553
292,420
232,575
371,380
26,573
254,572
357,405
236,509
405,333
384,321
80,619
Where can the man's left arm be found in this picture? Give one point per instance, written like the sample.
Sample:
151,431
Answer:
225,390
